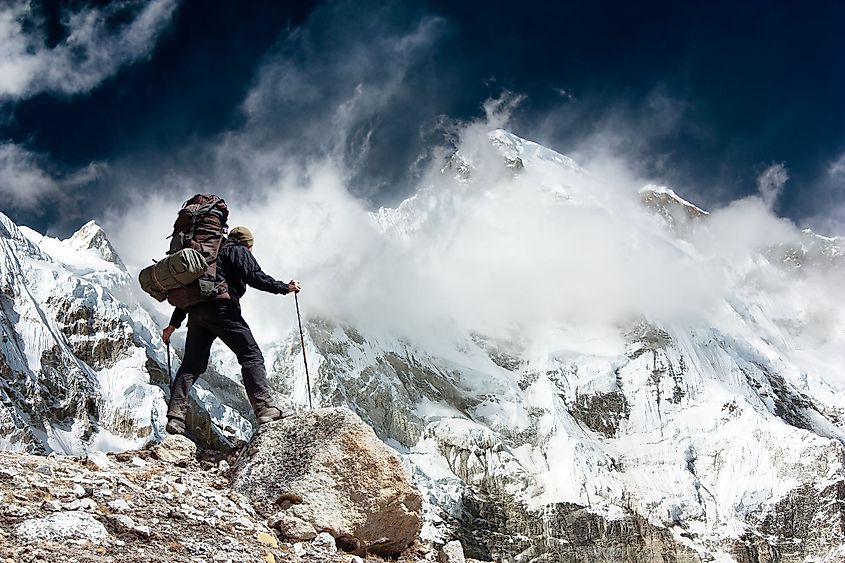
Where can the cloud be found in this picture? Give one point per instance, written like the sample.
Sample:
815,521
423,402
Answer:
836,169
93,48
25,182
345,88
770,183
566,94
826,199
505,253
22,180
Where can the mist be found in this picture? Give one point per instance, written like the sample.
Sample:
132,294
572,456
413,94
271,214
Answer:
508,252
504,252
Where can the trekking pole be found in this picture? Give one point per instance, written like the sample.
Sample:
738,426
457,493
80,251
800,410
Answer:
302,341
169,373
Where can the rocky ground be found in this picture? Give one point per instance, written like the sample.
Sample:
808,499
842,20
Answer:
163,503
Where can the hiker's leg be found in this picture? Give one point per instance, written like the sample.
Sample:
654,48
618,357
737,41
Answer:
197,350
235,333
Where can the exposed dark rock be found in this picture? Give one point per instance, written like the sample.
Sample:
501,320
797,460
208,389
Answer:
601,412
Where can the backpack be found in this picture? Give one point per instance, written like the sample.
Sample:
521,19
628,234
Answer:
188,275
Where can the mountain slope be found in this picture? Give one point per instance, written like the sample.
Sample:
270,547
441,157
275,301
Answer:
84,367
661,382
715,433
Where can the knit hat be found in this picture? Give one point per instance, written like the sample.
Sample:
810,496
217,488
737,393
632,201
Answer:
242,235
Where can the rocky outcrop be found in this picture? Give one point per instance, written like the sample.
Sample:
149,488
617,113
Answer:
329,469
134,508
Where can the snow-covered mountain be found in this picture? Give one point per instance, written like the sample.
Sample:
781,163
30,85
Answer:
704,422
711,436
83,364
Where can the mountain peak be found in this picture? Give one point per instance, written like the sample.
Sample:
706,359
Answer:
92,237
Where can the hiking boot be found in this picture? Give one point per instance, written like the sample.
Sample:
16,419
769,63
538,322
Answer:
175,426
268,414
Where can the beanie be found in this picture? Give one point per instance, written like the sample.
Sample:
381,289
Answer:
242,235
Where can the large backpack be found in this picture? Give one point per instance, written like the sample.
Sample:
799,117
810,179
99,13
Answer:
188,275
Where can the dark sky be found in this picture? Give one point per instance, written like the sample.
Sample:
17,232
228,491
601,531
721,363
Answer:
703,96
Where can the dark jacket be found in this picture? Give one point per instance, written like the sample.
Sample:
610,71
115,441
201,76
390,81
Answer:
237,265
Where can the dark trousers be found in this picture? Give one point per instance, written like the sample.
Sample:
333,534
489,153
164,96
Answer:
206,322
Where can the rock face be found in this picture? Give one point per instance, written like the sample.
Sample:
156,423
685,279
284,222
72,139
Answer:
328,468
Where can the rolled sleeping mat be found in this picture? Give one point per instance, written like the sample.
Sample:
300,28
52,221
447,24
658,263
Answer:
177,270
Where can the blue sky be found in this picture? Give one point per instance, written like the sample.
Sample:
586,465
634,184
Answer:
102,100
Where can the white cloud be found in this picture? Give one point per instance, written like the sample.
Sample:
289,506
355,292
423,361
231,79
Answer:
500,255
25,182
836,169
771,182
92,50
22,180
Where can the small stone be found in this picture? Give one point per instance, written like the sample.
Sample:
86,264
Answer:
175,449
291,527
143,531
44,469
52,506
223,466
121,522
452,552
8,473
243,523
267,539
98,460
79,491
269,557
180,488
325,543
299,549
138,462
80,504
105,492
15,510
356,559
119,505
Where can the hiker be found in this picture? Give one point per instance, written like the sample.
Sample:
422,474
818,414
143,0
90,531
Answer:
220,317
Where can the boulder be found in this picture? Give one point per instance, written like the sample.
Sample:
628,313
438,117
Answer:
61,527
328,468
175,449
452,552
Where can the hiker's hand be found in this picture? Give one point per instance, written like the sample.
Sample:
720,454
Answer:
294,286
167,333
